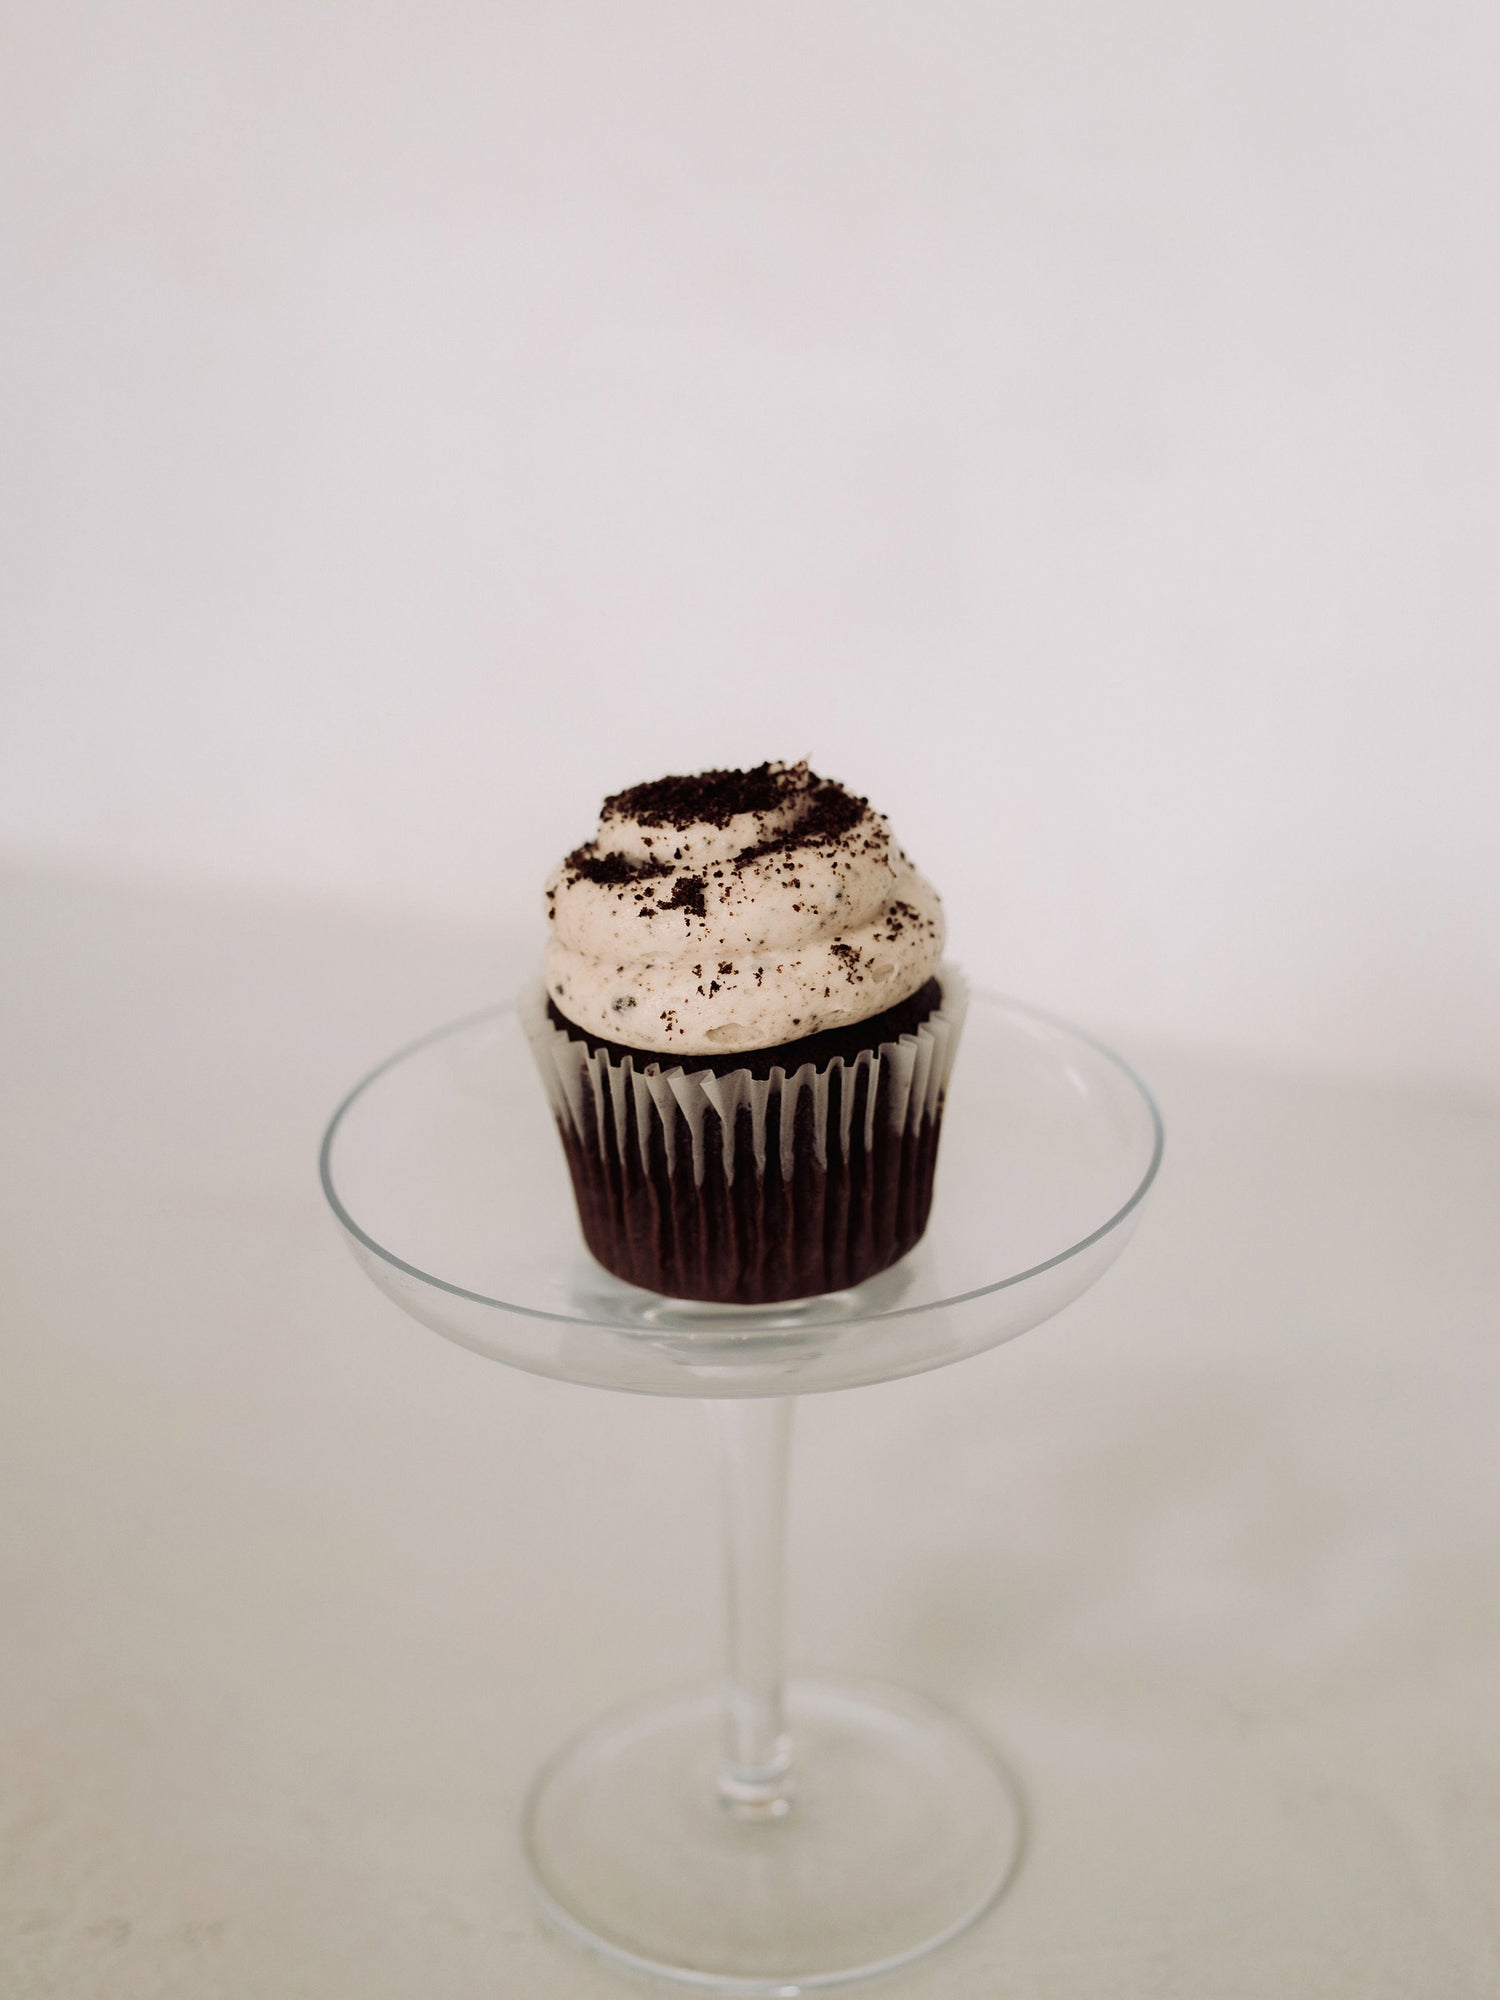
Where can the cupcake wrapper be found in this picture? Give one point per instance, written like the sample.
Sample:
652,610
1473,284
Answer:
736,1189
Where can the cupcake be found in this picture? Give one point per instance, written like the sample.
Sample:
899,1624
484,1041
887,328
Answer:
746,1034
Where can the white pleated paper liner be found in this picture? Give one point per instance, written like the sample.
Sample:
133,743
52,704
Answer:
591,1092
743,1189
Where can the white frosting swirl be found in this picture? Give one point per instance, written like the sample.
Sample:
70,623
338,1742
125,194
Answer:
737,911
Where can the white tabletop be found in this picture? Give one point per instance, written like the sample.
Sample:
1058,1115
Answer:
296,1595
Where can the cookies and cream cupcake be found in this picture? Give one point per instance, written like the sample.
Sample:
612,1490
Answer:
747,1033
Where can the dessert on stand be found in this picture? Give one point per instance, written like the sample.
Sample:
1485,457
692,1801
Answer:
772,1835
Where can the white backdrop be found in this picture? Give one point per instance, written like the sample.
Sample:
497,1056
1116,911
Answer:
1076,426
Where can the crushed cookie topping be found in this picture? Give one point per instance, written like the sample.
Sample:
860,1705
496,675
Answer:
612,871
712,798
791,894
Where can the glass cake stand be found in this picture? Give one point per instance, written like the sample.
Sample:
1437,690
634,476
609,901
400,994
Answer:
761,1838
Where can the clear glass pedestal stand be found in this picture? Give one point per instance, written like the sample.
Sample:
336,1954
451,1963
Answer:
766,1837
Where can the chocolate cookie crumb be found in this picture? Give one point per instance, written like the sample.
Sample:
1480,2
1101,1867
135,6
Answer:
687,894
612,871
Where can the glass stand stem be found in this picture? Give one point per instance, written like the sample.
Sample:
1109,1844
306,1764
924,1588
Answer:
755,1777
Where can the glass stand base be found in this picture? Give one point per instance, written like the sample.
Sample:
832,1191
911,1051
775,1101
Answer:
902,1829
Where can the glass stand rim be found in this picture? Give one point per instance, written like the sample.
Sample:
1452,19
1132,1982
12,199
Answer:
626,1322
444,1171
